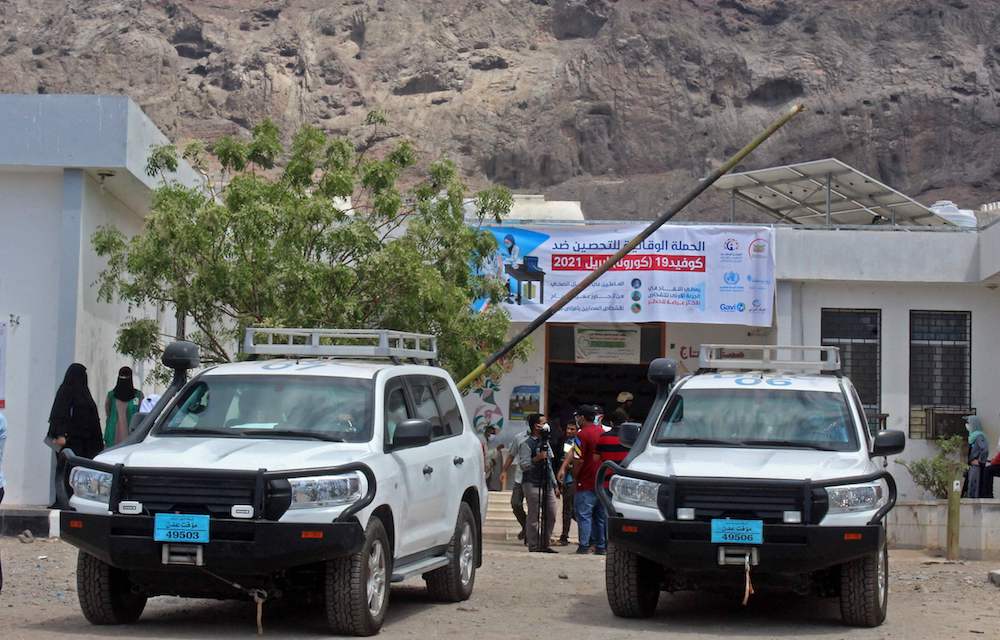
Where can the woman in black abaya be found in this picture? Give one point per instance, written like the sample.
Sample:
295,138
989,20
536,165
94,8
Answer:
73,421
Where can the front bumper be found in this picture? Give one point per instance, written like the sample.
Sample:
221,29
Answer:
237,547
787,549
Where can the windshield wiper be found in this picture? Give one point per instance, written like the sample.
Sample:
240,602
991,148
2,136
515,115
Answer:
198,431
705,441
788,443
289,433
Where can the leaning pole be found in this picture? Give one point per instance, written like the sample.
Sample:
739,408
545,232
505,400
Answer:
674,209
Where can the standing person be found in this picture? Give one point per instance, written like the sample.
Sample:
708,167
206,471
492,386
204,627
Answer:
120,405
992,471
571,450
539,485
979,455
73,420
610,449
590,516
517,491
3,441
622,412
494,460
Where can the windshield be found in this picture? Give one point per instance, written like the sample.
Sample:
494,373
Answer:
306,407
759,417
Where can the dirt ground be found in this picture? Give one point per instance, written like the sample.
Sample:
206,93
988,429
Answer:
517,595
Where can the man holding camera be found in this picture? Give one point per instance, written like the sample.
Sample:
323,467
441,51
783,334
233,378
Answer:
539,483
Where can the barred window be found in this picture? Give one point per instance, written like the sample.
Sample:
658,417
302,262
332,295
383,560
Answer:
858,334
940,366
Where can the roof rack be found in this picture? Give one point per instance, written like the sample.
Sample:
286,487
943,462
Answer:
772,358
342,343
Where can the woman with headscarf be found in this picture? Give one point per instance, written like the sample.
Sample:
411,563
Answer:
73,421
979,455
120,405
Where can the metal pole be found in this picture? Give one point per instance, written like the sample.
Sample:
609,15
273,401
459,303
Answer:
685,200
829,215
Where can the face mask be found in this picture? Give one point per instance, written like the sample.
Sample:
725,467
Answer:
546,428
490,437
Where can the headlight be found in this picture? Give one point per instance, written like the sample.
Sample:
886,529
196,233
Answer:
326,491
91,484
635,491
856,497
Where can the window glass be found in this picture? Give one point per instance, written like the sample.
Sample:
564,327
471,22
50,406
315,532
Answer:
449,406
262,406
759,417
424,405
395,412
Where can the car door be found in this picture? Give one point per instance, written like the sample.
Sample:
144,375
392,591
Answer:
440,457
418,525
466,453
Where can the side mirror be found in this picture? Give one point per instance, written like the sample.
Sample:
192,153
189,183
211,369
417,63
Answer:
181,356
412,433
888,443
628,433
662,371
136,420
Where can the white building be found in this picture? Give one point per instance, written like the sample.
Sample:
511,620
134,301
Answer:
68,165
912,302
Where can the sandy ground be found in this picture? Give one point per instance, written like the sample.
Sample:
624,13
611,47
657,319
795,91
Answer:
517,595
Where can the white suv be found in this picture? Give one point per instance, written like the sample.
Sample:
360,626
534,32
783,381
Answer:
754,472
314,479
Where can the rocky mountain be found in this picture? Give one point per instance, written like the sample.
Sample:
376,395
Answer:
619,104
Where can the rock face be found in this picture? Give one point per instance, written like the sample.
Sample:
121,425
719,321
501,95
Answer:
621,104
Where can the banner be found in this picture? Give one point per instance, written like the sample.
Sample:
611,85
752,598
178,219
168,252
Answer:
3,364
706,274
617,346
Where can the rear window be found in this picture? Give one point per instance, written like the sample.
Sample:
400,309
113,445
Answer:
308,407
758,418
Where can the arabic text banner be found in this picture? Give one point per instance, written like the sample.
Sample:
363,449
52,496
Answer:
707,274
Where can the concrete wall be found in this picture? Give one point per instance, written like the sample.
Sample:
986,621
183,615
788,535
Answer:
895,301
30,220
923,525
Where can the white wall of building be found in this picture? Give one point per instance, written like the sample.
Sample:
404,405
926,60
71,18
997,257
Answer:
30,220
895,300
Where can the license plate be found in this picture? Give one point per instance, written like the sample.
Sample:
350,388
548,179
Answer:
738,531
179,527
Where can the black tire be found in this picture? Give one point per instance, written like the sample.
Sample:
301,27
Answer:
106,594
454,582
864,596
351,607
632,583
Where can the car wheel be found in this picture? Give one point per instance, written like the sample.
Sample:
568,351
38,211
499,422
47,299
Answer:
454,582
357,587
632,583
106,594
864,589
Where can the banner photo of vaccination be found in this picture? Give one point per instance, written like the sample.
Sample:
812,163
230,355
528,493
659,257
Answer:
702,274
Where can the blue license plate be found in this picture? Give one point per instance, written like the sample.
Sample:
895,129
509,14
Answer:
179,527
738,531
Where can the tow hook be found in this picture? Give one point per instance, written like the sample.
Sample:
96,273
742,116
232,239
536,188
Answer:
737,556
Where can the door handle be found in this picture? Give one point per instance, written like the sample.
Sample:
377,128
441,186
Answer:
458,461
428,470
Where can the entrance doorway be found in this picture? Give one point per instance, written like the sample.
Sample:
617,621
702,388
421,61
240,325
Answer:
570,383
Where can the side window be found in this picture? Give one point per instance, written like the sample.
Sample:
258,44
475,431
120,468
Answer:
425,407
449,407
395,411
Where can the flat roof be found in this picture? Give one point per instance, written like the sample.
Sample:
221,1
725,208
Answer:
826,191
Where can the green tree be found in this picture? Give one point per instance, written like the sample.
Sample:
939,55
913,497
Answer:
259,245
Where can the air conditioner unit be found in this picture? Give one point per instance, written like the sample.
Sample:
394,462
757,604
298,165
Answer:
944,422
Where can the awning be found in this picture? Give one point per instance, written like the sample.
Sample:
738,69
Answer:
825,192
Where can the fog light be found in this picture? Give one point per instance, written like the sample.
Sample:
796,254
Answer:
792,517
685,513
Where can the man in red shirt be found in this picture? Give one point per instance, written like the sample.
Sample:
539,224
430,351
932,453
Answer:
591,519
610,449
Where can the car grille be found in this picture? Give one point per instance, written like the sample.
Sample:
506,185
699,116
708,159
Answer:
212,496
743,500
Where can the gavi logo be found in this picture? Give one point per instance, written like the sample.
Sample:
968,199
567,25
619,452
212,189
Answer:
739,307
